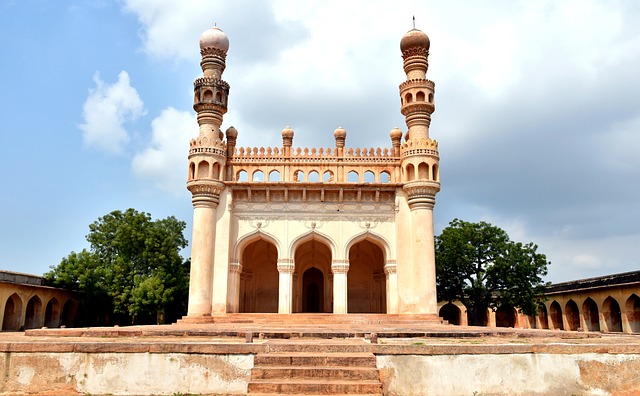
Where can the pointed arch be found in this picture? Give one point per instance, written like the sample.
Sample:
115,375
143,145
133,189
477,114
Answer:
52,313
254,236
33,313
612,314
376,239
12,313
555,316
572,315
590,314
313,235
632,308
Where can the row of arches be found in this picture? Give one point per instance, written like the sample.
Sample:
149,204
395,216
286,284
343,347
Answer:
312,277
586,315
422,172
420,97
204,170
314,176
16,316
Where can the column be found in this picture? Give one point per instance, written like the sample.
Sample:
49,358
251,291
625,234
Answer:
285,285
202,255
233,293
340,269
392,287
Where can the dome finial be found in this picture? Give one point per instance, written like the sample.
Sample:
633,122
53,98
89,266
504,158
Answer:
414,21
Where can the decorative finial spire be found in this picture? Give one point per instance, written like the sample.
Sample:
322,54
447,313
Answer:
414,21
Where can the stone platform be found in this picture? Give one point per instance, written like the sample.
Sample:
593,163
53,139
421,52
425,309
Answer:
359,354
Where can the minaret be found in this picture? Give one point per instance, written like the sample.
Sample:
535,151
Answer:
207,160
420,175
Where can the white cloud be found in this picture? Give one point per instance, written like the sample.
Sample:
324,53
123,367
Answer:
106,110
164,161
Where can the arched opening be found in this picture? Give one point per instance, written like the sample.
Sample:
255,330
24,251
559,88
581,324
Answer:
311,277
434,172
420,96
353,177
258,176
208,96
313,177
298,176
385,177
215,170
633,313
52,313
423,171
219,97
203,170
505,316
590,313
555,313
543,318
369,177
430,98
312,290
241,176
68,317
572,314
451,313
12,313
366,282
274,176
259,278
612,315
327,177
192,171
408,98
33,313
410,173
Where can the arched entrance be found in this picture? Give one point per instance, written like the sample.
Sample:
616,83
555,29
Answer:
505,316
366,282
612,315
312,290
572,314
312,283
450,313
34,311
12,313
633,313
543,318
52,313
590,313
68,317
259,278
555,314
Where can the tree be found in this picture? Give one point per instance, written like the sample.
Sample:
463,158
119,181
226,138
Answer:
477,264
133,272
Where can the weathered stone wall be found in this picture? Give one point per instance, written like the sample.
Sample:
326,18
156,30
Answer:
510,374
124,373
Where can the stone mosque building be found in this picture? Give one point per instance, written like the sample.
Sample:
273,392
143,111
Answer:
331,230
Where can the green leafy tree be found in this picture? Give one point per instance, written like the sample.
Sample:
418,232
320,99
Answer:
477,264
133,272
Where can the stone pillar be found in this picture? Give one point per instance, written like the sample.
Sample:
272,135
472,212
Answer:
233,292
392,286
340,269
285,286
202,256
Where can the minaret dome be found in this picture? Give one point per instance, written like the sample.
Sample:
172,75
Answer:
414,38
214,38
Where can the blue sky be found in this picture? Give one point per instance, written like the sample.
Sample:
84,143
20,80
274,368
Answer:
537,111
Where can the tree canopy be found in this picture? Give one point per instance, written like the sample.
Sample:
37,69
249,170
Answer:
477,264
133,272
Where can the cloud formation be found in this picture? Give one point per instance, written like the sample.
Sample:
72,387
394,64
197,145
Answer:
163,162
106,111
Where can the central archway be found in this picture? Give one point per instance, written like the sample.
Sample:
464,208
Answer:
312,290
366,281
259,278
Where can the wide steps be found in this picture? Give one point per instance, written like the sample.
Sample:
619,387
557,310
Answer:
314,386
315,368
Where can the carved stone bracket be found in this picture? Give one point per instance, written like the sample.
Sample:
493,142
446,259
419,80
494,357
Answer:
286,266
235,266
421,194
340,266
205,193
390,267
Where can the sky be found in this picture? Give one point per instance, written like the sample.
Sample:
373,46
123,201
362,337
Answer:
537,111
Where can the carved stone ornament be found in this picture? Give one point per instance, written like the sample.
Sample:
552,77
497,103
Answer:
421,195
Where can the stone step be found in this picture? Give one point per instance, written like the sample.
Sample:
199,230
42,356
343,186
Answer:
326,320
320,347
309,372
298,359
315,386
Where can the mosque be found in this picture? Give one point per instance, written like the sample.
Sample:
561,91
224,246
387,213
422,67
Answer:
302,230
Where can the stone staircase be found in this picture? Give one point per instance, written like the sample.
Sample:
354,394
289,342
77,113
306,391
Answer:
315,367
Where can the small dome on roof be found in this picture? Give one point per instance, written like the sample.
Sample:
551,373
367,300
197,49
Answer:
396,134
414,38
214,38
287,132
232,132
340,133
